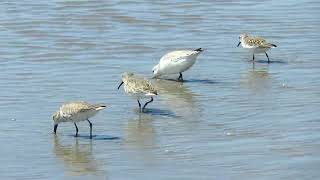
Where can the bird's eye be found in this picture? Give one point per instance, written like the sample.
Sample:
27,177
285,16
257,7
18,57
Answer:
153,71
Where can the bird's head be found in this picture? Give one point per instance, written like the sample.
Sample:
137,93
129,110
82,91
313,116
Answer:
56,121
155,71
125,77
242,37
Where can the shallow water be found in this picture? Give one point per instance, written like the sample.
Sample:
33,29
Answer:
227,121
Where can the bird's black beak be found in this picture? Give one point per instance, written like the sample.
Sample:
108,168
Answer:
239,44
55,128
120,85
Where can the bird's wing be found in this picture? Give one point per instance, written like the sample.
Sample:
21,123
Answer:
149,87
176,56
267,45
70,109
141,85
256,41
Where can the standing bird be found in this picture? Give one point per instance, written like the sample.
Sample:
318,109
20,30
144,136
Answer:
176,62
138,87
255,44
76,112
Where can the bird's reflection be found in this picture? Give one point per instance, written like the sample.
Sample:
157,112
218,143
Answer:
77,158
177,96
141,137
258,80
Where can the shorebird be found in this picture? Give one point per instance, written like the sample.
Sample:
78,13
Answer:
176,62
255,44
76,112
138,87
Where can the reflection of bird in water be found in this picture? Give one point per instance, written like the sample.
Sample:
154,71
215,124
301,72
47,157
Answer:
141,136
258,80
177,96
141,131
77,159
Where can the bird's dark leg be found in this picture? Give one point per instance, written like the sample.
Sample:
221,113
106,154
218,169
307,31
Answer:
139,105
253,65
55,128
90,128
147,103
252,57
267,57
77,130
180,78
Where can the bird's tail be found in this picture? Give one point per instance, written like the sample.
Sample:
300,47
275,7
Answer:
99,107
199,50
268,45
152,93
273,45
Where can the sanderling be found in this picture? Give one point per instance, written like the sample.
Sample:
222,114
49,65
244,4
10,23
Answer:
176,62
138,87
76,112
255,44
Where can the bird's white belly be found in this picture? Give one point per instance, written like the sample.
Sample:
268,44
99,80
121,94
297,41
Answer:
255,49
260,50
83,116
177,67
136,95
139,95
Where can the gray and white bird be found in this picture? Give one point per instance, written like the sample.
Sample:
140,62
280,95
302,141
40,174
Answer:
75,112
176,62
138,87
255,44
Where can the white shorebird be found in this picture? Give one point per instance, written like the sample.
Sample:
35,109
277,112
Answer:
176,62
76,112
138,87
255,44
